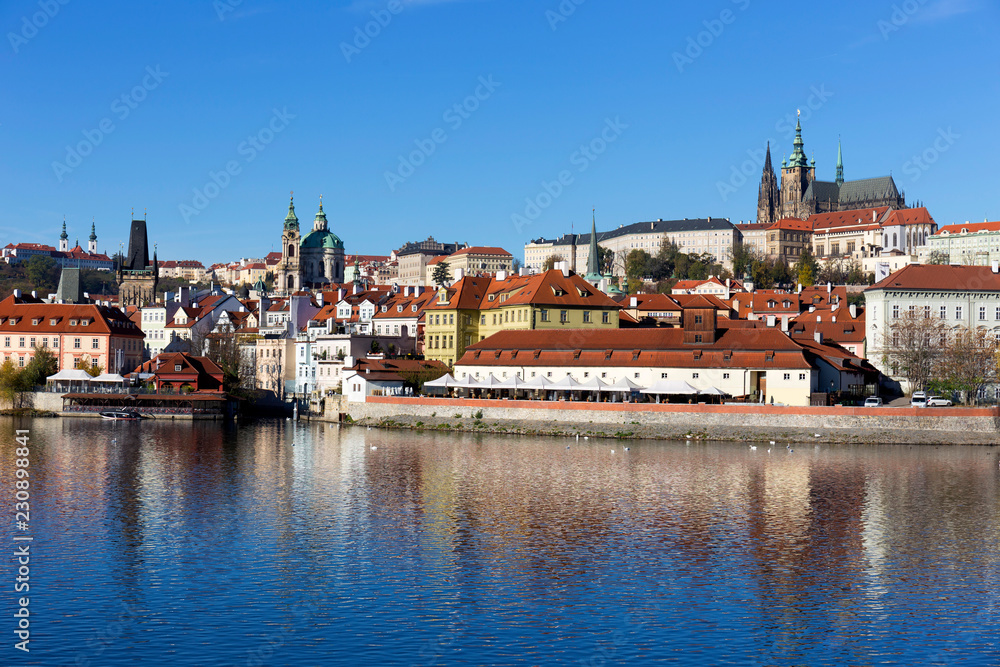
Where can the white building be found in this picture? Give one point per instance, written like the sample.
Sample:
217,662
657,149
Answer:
976,244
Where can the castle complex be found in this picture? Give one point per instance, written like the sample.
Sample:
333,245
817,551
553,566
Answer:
800,195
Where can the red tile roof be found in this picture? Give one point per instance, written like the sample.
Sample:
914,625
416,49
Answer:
941,277
482,250
102,319
970,228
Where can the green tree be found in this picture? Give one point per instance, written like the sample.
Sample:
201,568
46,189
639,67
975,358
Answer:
969,363
606,260
92,371
42,365
743,258
43,272
441,274
806,268
637,265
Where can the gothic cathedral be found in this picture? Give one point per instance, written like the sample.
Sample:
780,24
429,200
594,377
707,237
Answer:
800,195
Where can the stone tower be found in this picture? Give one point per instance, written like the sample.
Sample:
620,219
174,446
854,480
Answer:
137,278
288,276
796,174
769,196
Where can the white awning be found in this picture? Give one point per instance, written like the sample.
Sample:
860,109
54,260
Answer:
624,385
593,384
109,377
70,375
444,382
713,391
566,383
468,382
671,387
512,383
540,382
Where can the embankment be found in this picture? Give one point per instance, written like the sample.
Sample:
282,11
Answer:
713,422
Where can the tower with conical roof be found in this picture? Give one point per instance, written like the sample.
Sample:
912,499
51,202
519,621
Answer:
92,242
64,238
769,195
796,175
840,164
288,276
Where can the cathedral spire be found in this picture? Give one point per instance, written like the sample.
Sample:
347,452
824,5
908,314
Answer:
64,238
798,158
594,256
769,195
840,164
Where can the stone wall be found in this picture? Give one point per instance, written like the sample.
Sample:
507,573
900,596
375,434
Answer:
742,422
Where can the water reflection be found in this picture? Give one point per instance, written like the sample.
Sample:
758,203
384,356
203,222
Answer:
302,544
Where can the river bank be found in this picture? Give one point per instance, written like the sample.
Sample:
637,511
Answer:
752,424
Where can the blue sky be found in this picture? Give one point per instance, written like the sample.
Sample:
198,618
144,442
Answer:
643,109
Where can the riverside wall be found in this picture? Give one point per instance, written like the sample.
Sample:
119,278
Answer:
717,422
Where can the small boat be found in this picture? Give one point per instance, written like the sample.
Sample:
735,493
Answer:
121,415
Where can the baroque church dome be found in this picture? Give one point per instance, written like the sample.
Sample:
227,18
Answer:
321,236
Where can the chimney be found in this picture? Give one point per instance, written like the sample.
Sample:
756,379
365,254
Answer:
501,275
834,319
565,269
854,311
319,299
17,294
34,295
812,309
771,320
818,336
784,323
459,274
829,288
995,266
356,289
340,294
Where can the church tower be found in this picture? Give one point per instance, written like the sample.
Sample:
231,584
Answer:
796,175
92,243
137,278
64,239
288,276
769,196
840,165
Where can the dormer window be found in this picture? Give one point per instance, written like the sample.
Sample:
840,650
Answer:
537,353
177,368
385,309
53,322
399,309
607,354
413,308
35,322
492,297
72,323
635,355
769,355
576,354
496,355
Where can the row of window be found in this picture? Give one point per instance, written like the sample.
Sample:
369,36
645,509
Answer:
23,341
942,312
23,360
439,342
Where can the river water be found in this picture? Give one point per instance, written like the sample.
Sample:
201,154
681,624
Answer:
283,543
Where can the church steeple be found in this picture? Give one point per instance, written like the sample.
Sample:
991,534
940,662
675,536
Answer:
594,256
291,221
840,164
64,238
92,244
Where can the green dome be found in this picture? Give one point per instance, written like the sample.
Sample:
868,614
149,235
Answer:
322,239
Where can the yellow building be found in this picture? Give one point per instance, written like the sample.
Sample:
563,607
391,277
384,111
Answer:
475,308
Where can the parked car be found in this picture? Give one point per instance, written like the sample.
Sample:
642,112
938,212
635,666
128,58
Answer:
873,402
938,402
919,399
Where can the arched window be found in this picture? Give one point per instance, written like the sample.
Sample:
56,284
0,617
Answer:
894,244
291,250
291,282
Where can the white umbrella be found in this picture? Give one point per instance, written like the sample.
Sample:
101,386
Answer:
468,382
71,375
567,383
713,391
624,385
540,382
671,387
512,383
446,381
593,384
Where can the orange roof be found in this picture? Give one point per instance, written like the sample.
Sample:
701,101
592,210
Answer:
941,277
482,250
909,216
972,228
848,218
792,223
19,316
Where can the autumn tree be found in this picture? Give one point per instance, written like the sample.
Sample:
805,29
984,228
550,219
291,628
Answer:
806,268
968,364
551,261
913,346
